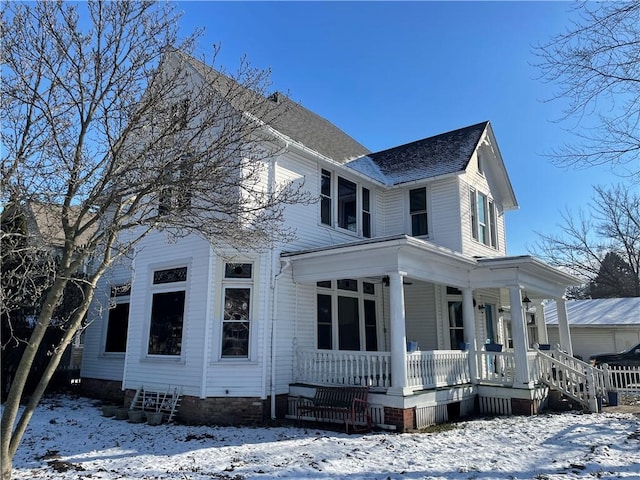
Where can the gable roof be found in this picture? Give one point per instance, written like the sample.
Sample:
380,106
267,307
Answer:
292,120
45,222
441,154
597,312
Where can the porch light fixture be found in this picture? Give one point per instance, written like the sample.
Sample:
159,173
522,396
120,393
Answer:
481,306
526,301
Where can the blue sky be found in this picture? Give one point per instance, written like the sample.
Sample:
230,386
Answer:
389,73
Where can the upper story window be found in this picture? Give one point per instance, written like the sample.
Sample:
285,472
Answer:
366,212
418,211
342,205
483,219
175,190
347,205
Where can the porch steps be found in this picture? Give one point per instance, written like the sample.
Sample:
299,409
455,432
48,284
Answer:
572,380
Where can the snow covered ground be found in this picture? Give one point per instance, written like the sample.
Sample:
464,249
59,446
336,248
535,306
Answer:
69,439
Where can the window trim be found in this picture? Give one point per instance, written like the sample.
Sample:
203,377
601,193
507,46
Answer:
490,224
419,212
334,293
166,288
330,200
243,283
116,299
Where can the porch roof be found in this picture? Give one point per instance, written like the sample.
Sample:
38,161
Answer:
422,260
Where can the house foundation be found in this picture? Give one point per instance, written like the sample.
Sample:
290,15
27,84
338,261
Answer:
106,390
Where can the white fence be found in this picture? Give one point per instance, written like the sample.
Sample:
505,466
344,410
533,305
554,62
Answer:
623,379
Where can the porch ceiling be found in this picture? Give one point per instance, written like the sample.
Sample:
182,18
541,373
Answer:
424,261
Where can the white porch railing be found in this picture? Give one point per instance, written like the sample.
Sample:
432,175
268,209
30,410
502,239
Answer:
428,369
335,367
496,367
437,368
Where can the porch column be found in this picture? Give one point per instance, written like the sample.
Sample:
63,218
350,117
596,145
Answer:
563,326
543,336
398,335
520,347
469,329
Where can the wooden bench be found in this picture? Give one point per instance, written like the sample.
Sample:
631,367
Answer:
349,404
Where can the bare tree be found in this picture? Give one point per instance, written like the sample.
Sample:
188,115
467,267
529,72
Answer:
106,117
587,242
595,68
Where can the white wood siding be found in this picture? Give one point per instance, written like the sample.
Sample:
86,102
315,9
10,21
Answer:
395,213
239,377
470,246
444,208
420,312
305,219
95,362
156,253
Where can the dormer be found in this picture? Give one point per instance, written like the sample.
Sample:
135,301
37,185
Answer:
451,189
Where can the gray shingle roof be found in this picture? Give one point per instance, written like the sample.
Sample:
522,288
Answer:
431,157
292,119
315,132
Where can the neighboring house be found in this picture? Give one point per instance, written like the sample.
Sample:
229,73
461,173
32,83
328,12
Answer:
41,225
599,325
407,244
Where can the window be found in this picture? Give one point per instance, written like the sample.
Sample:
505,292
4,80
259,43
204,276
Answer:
480,164
456,331
366,213
324,332
370,327
483,223
490,322
346,315
236,317
348,323
343,205
167,312
325,198
418,211
175,190
483,219
493,230
347,205
118,320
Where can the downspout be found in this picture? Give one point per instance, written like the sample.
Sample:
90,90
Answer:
208,319
274,318
269,304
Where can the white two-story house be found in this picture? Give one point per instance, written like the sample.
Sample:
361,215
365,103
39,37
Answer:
398,279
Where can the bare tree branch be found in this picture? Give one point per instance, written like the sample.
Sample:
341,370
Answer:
587,240
594,66
115,125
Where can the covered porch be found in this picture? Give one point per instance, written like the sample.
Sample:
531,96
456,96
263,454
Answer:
465,307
